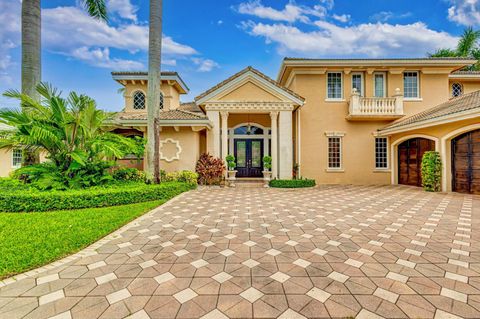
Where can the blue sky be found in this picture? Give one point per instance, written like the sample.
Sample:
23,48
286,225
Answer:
209,40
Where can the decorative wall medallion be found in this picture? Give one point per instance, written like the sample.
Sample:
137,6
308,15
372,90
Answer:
170,150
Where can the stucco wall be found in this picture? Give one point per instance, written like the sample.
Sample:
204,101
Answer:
171,97
5,163
469,86
188,140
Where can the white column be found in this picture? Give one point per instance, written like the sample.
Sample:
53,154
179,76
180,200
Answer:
285,142
224,134
274,141
213,135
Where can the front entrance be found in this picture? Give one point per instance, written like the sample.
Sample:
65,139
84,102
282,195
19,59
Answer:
249,156
410,154
466,163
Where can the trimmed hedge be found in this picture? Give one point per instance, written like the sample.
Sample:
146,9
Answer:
292,183
432,171
29,201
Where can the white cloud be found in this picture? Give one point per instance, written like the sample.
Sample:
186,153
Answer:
371,40
124,8
101,58
384,16
205,65
9,36
342,18
465,12
291,12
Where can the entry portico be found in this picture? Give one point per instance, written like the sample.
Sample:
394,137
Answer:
252,116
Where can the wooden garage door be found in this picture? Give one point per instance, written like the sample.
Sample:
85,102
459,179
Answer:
466,163
410,155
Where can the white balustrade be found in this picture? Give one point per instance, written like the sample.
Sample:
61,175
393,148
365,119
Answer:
376,106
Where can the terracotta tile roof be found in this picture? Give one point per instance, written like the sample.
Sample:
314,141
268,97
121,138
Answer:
166,115
145,73
456,105
247,69
466,72
382,59
190,107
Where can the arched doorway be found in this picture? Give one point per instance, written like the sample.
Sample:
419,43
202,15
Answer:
466,163
410,154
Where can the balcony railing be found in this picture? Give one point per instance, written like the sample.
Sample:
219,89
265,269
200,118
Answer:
371,108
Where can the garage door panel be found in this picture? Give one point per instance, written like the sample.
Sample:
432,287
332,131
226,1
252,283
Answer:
466,163
410,155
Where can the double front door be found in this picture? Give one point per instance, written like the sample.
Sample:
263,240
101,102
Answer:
249,156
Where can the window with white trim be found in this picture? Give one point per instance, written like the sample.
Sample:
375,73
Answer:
334,85
138,100
357,82
334,152
411,85
457,89
379,84
381,153
17,157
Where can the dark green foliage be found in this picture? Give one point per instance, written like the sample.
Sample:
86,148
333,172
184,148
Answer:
37,201
209,169
230,159
431,171
126,174
267,162
292,183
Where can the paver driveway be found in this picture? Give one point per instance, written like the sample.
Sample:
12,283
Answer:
332,251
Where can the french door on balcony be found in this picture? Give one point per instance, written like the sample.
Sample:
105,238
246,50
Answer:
249,156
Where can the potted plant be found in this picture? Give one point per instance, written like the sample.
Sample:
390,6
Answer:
230,159
267,167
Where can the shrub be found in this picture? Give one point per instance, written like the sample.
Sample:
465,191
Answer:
292,183
230,159
431,171
182,176
209,169
36,201
267,163
127,174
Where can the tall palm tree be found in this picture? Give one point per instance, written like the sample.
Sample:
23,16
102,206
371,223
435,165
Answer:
153,93
31,40
31,48
467,47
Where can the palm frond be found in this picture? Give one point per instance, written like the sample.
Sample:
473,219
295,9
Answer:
468,42
96,9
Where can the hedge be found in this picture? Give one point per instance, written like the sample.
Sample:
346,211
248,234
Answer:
292,183
29,201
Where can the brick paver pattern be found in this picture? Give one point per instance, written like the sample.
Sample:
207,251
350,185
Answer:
330,251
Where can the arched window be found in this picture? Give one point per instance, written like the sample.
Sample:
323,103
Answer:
161,101
457,89
138,100
248,130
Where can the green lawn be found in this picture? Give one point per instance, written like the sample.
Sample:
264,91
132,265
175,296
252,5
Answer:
30,240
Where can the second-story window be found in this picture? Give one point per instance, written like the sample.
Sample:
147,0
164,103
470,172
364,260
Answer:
357,82
334,85
410,85
379,87
457,89
138,100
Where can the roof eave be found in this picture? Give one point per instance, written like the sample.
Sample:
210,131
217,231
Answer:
207,123
175,77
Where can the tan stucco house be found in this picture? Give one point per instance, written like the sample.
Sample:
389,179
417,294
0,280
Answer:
346,121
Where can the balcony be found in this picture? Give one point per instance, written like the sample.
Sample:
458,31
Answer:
375,108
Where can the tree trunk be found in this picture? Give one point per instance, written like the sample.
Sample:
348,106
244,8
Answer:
153,93
31,47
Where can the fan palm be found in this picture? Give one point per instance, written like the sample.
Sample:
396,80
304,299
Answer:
70,130
467,47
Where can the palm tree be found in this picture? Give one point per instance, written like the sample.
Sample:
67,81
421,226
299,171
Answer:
31,40
153,93
467,47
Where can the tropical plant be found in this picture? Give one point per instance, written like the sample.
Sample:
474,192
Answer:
230,159
181,176
209,169
431,171
70,130
128,174
467,47
153,92
267,163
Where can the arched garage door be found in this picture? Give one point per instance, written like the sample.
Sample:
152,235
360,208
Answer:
466,163
410,155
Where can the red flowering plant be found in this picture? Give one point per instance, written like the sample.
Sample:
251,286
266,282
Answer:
209,169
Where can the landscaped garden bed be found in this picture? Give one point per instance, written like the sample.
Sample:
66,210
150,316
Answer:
292,183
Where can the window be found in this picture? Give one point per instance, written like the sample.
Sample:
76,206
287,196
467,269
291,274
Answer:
161,101
381,153
334,152
17,158
379,85
410,85
457,89
334,85
357,82
248,130
138,100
